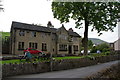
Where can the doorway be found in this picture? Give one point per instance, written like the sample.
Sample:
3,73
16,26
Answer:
70,49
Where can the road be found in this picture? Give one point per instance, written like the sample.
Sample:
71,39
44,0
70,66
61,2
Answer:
72,73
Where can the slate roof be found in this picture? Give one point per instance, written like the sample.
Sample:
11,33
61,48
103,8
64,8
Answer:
19,25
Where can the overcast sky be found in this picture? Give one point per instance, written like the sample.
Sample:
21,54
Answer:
39,12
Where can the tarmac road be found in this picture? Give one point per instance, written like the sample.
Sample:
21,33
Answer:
72,73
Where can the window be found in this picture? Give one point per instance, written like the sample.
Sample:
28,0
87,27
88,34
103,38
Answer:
62,36
44,47
22,33
33,45
44,35
62,47
75,47
33,34
53,37
21,46
75,39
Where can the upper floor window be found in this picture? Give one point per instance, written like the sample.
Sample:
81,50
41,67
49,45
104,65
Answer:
21,46
70,38
62,36
22,33
75,39
62,47
33,34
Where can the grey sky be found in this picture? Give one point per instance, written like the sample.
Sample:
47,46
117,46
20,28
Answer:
39,12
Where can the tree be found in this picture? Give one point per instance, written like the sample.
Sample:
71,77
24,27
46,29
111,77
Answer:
104,47
98,15
90,44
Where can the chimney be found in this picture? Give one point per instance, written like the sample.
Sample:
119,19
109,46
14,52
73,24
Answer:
70,29
50,24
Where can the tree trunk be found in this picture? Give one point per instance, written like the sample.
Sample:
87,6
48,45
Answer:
85,40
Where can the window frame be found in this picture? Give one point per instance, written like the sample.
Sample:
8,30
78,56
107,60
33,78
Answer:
21,45
21,33
44,47
63,47
33,45
75,47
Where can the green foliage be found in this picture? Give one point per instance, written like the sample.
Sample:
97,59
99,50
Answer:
101,16
94,50
89,57
107,53
90,44
5,34
102,47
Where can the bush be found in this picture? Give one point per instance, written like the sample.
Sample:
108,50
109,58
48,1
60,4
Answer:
93,50
106,53
90,57
102,47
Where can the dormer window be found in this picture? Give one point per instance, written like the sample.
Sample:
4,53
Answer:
33,34
22,33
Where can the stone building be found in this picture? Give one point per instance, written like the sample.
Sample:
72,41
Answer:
47,39
116,45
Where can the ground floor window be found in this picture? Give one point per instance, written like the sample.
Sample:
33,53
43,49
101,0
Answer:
62,47
44,47
33,45
20,45
75,47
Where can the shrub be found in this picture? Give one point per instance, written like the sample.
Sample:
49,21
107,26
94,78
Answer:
104,47
90,57
106,53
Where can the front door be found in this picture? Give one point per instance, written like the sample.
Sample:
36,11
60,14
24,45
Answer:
70,49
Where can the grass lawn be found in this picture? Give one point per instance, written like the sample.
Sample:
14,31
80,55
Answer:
18,61
68,57
23,60
12,61
56,58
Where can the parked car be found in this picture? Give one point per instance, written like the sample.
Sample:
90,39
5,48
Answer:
33,51
38,54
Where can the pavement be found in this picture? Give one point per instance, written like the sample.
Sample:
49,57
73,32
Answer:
72,73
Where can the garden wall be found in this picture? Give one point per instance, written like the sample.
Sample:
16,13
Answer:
112,73
40,67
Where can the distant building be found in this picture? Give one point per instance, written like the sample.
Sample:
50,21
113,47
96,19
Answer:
116,45
47,39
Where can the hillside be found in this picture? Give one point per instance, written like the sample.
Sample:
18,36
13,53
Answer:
5,34
97,41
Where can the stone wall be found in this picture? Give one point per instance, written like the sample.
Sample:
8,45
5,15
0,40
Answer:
40,67
111,73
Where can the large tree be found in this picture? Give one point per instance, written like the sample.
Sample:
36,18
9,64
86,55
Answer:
100,16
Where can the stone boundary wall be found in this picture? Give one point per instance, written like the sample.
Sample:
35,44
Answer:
112,73
40,67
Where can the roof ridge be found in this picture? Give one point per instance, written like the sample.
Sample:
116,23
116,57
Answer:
27,26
